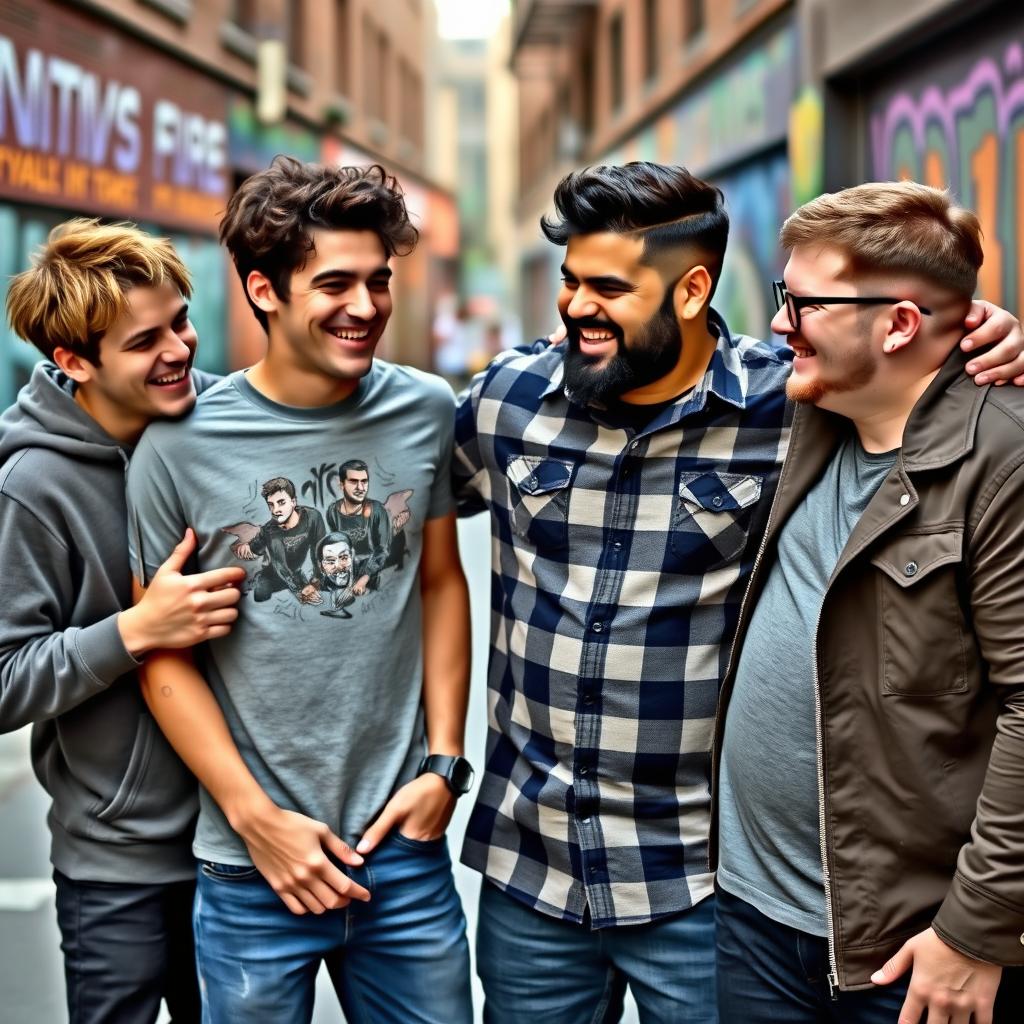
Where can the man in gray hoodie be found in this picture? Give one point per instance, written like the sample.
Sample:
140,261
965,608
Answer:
107,304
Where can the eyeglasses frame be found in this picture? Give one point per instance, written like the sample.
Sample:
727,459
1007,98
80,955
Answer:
794,303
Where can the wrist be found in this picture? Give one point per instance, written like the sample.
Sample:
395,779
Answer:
248,812
131,626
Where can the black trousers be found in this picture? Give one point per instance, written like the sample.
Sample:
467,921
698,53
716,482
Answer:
126,948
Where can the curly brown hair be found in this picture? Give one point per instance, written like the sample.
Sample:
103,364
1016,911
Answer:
268,222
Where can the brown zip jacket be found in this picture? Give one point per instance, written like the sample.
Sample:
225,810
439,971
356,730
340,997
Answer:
920,668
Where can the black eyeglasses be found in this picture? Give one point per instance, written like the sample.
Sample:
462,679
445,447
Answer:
794,303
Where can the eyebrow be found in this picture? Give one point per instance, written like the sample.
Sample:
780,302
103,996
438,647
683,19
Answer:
602,280
144,331
349,275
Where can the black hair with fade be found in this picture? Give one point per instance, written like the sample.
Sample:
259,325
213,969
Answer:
662,204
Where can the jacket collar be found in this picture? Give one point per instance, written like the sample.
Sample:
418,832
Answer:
940,431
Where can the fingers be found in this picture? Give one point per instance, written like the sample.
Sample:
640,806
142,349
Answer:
294,905
899,964
180,555
378,830
342,850
215,579
912,1009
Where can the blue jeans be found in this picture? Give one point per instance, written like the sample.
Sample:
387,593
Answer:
402,958
538,969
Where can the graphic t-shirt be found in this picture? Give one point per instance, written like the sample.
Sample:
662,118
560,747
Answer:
320,679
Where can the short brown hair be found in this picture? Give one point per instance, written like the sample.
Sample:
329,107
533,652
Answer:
269,218
79,280
894,227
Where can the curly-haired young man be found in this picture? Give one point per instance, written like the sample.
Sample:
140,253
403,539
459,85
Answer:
309,731
107,305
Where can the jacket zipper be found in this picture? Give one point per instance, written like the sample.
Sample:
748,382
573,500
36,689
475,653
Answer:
833,974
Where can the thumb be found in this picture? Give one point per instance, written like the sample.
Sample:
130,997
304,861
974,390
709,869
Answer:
899,964
180,555
342,850
377,831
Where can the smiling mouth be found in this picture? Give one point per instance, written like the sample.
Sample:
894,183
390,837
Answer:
169,379
595,335
800,350
349,333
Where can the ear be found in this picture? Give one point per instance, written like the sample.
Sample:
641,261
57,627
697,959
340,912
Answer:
76,366
691,293
902,327
261,291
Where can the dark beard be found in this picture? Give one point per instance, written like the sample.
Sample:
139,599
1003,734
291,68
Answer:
650,357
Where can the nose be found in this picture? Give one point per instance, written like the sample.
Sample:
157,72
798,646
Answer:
581,305
360,303
781,323
175,348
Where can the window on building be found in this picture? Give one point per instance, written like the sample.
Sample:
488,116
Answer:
650,40
693,19
297,33
341,47
615,62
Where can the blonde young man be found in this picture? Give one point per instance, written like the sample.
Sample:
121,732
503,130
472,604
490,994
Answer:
870,788
108,308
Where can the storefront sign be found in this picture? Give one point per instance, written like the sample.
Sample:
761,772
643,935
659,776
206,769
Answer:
94,121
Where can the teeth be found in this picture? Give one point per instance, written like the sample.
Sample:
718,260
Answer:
171,378
597,335
347,335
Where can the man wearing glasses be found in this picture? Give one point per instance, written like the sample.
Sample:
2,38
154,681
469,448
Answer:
870,778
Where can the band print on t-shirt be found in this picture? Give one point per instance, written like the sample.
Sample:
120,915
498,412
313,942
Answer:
307,562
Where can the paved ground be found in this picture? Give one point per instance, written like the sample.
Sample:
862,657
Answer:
31,982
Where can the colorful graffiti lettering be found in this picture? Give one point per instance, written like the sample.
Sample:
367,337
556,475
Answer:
967,135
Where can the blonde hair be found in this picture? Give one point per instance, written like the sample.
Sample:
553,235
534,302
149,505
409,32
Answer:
78,283
894,227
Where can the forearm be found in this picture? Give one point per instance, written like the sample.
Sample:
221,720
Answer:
446,662
190,717
45,676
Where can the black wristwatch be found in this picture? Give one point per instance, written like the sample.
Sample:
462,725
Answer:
456,771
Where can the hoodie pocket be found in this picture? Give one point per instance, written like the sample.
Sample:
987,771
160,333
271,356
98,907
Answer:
155,785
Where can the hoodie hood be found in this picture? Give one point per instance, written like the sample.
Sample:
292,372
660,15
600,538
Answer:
46,415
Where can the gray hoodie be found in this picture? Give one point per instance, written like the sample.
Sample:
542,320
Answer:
123,804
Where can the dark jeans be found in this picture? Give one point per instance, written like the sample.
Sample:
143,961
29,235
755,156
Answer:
768,972
126,947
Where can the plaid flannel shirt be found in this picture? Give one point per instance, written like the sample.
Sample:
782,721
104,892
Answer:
619,561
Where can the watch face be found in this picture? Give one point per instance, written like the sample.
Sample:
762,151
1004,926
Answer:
462,775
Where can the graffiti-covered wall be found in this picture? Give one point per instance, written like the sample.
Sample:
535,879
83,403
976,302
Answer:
733,130
954,116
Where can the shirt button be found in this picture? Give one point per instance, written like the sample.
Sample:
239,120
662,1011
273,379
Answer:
717,501
1022,940
584,771
904,499
533,481
633,445
598,626
592,869
910,569
617,545
588,699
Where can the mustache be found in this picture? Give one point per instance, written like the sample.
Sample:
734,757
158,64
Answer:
575,324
